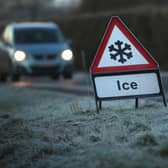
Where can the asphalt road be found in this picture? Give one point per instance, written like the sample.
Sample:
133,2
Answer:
79,85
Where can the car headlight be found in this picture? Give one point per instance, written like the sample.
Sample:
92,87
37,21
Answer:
19,56
67,55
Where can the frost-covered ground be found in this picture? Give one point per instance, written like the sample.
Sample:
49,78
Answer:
44,129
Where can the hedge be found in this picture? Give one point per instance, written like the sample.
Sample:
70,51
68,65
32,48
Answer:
86,32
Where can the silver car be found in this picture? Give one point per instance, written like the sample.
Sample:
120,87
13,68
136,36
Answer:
34,48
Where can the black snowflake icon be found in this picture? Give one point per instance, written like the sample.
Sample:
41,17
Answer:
120,51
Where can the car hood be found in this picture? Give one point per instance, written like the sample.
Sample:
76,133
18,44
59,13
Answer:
42,48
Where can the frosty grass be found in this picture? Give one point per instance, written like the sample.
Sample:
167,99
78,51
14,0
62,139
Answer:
44,129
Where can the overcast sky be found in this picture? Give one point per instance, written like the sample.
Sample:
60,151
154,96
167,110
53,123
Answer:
66,3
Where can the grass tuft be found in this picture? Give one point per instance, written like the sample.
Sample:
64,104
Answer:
146,139
5,116
164,150
7,150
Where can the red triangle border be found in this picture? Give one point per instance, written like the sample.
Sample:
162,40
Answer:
115,21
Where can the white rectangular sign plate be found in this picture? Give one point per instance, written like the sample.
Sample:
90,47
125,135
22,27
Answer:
126,85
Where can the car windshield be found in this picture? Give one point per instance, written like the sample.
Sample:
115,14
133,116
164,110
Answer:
38,35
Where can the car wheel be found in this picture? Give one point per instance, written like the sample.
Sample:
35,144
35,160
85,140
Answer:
3,77
15,77
55,76
67,75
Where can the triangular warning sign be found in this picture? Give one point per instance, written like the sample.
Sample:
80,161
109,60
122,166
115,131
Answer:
121,51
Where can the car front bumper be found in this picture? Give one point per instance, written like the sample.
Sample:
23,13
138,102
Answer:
43,69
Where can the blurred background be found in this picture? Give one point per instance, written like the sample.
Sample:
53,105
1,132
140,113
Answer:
84,22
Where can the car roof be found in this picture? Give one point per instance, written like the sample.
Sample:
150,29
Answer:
34,25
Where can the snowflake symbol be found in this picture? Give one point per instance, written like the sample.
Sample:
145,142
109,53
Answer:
120,51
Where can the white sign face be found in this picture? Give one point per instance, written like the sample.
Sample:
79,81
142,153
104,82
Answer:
126,85
120,51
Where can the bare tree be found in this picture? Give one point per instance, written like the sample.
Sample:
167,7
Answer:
23,9
102,5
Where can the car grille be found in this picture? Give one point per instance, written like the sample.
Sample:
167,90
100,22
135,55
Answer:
44,57
44,70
